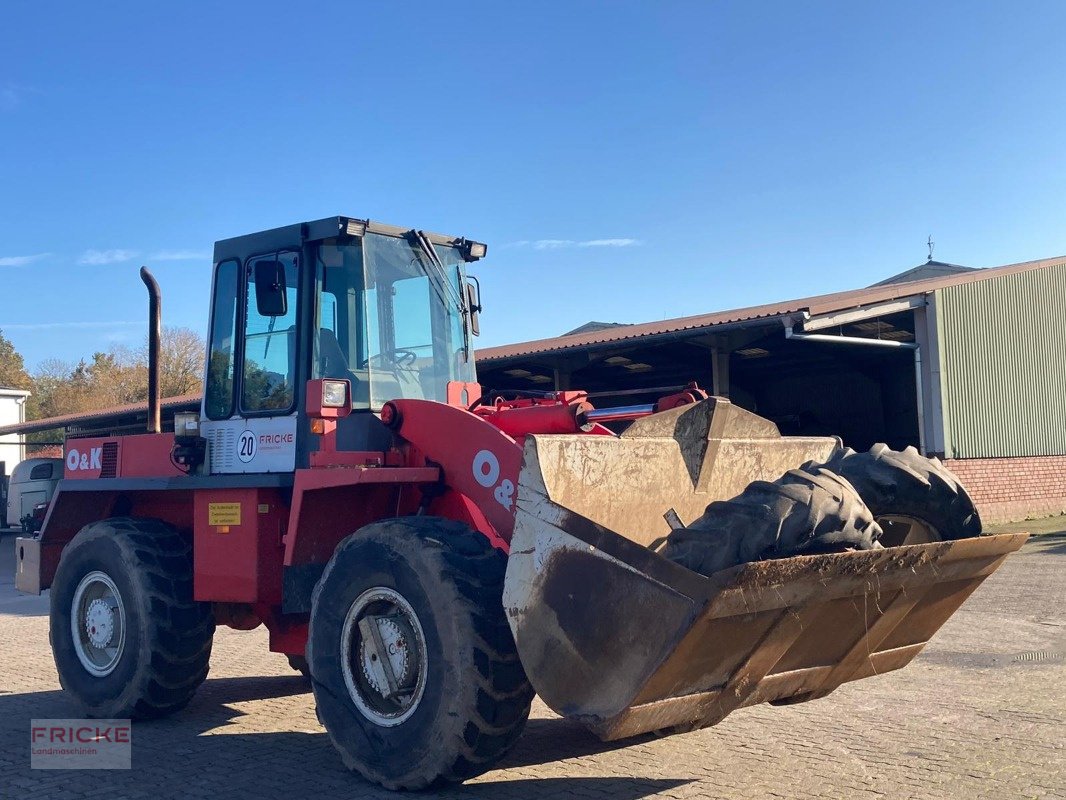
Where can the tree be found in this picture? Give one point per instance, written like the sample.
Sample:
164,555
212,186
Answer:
48,380
181,361
50,375
119,376
13,373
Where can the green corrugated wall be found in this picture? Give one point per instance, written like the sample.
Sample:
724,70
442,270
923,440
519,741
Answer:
1003,365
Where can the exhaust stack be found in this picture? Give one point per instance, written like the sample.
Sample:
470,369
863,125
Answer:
155,324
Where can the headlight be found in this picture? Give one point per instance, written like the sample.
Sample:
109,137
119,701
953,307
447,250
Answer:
472,251
334,394
187,423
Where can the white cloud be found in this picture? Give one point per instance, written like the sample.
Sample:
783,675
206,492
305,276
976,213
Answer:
555,244
13,94
118,336
552,244
10,97
97,257
21,261
180,255
44,326
610,243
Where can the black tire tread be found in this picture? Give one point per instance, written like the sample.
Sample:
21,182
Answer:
905,482
807,510
468,562
498,718
180,630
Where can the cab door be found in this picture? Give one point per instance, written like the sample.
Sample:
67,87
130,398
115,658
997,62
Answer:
251,398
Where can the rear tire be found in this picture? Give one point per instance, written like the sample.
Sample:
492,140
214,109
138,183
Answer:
128,639
458,697
904,487
805,511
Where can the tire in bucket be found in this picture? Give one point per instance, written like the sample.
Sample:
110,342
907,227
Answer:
904,487
806,511
128,639
413,665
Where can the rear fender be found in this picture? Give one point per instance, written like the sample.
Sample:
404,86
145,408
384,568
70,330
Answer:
72,509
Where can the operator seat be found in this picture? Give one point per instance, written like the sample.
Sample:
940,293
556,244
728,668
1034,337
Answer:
331,360
332,363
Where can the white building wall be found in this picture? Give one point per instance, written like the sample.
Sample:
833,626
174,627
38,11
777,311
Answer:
12,412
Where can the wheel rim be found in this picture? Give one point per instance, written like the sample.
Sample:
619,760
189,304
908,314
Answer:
98,623
898,530
383,656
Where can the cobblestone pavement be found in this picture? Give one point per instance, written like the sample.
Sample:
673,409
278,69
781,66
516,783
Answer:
965,720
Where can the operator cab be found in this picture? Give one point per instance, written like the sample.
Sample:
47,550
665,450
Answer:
387,309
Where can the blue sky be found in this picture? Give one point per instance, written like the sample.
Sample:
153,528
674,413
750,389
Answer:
624,161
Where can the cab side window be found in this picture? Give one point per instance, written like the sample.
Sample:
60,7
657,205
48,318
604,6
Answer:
339,350
41,472
269,375
220,360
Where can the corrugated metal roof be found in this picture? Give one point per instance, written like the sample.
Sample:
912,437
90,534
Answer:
819,304
130,409
930,269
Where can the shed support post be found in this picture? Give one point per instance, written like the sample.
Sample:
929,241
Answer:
719,372
926,334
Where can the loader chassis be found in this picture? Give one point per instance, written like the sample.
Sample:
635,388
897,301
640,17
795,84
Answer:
430,555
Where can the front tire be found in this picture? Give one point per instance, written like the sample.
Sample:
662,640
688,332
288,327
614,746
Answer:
127,637
915,499
413,665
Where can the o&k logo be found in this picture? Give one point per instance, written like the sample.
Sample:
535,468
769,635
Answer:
486,469
84,460
81,744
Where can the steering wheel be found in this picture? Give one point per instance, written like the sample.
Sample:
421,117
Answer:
400,357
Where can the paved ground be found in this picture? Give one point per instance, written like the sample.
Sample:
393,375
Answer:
965,720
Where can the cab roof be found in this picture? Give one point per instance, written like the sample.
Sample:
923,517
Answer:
329,228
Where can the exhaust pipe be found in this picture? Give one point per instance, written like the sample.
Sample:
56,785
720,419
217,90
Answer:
155,324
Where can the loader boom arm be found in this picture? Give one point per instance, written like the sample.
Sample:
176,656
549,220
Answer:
476,458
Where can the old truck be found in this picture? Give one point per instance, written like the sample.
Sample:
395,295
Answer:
431,554
31,486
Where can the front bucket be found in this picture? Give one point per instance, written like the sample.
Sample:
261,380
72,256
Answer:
614,635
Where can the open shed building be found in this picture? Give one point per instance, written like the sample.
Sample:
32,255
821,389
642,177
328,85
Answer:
116,421
962,363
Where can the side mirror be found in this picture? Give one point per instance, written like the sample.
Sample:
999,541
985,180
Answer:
271,299
473,302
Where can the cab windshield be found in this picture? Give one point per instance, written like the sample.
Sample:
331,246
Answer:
391,320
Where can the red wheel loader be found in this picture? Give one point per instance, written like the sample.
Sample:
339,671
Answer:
430,556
